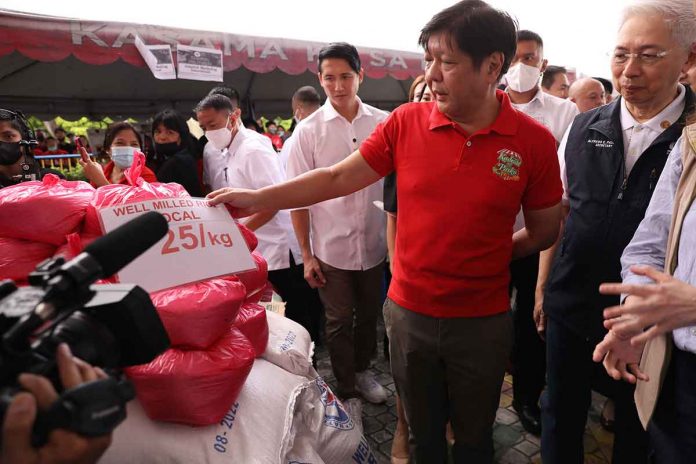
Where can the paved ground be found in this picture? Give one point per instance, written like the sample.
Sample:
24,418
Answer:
512,444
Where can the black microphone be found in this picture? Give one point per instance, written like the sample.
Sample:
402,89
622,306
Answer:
69,284
109,254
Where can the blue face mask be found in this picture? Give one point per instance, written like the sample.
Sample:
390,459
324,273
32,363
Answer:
122,156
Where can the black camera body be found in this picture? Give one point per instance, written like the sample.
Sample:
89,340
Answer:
117,327
110,326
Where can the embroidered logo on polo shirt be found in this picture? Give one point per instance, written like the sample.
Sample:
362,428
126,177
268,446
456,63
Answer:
601,143
508,165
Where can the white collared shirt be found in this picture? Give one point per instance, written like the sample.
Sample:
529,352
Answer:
251,163
346,232
637,137
552,112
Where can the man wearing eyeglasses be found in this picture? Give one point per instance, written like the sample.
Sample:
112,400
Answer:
611,158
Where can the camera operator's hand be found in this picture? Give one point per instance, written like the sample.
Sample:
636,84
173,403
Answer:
63,446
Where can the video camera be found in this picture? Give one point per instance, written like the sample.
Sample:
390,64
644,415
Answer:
109,326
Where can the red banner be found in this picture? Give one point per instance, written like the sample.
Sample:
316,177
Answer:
51,39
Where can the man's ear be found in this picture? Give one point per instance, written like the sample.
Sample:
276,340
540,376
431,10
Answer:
494,65
691,62
544,64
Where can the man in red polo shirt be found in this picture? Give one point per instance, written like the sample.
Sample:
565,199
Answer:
465,165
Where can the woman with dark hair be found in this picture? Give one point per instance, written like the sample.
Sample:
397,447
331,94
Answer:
175,151
121,141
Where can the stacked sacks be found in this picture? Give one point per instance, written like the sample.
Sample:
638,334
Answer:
278,417
194,387
36,217
215,338
199,377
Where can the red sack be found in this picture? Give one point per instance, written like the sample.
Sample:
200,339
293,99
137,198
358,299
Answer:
44,211
19,257
74,245
194,387
249,236
251,321
254,280
120,194
196,315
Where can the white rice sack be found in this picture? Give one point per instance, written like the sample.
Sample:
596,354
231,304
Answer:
289,345
256,429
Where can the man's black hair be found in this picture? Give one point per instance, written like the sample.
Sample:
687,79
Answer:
550,75
529,36
606,83
216,102
342,50
59,129
229,92
307,95
477,29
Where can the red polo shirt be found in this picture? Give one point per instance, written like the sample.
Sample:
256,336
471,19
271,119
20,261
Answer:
458,196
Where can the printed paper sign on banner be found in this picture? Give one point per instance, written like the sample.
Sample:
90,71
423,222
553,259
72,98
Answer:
158,58
203,242
200,64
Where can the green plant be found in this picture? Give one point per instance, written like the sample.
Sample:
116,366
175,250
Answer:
73,173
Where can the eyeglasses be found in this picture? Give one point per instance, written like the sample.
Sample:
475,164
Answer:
648,58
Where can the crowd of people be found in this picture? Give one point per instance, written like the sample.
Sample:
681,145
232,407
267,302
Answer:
504,180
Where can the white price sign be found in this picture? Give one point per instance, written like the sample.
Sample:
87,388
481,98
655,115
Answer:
203,241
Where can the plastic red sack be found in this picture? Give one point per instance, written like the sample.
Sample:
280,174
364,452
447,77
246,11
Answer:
194,387
196,315
120,194
19,257
249,236
44,211
74,245
254,280
252,322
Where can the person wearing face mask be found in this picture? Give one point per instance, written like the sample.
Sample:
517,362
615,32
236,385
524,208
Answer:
272,134
173,150
121,141
238,159
233,95
52,147
17,143
556,114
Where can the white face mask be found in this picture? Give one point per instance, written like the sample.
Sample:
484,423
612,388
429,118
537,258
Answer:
220,138
122,156
522,77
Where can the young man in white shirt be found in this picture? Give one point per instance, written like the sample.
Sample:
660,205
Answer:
556,114
345,257
234,158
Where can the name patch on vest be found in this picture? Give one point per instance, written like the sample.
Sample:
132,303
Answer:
508,165
601,143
